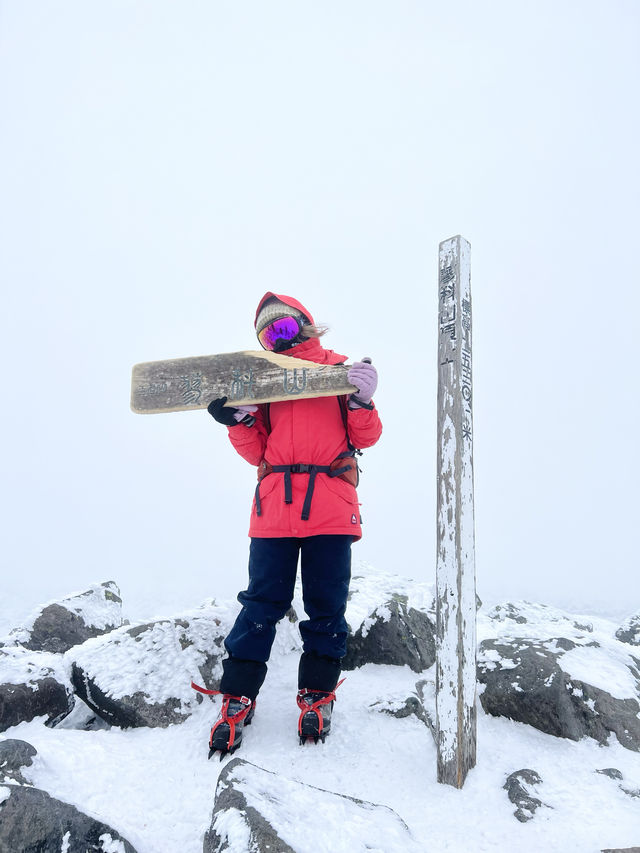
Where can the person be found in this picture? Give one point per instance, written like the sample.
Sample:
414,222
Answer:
305,504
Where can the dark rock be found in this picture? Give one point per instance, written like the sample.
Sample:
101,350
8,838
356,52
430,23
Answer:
524,681
141,676
622,850
14,755
517,787
629,631
611,772
33,822
246,792
399,635
45,697
416,704
71,621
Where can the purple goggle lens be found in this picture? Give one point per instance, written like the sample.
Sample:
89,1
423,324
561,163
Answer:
282,329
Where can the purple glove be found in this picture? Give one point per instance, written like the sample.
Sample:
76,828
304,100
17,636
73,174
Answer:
242,412
364,376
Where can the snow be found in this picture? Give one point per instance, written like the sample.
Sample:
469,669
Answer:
156,787
98,606
111,845
5,793
610,673
21,666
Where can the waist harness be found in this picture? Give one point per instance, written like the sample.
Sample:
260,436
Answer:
343,466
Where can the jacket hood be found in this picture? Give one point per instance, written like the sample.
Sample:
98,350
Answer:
310,349
288,300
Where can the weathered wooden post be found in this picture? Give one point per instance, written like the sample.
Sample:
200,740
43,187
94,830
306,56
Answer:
456,582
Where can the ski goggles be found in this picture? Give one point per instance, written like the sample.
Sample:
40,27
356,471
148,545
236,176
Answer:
283,329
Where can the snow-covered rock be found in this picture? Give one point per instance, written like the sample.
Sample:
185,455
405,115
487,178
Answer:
520,787
60,625
391,621
555,672
420,704
14,756
32,684
32,820
629,631
262,812
141,676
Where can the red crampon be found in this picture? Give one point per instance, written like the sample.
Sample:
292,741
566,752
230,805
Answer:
236,713
315,717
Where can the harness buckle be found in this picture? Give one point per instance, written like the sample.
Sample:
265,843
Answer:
301,468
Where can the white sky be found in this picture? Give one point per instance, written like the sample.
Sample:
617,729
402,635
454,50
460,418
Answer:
163,164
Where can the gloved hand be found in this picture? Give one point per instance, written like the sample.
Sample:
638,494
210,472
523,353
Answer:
244,415
229,415
364,376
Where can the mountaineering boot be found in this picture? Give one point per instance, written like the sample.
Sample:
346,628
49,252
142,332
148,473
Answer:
226,734
315,714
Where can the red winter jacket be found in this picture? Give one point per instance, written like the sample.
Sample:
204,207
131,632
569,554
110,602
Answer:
312,432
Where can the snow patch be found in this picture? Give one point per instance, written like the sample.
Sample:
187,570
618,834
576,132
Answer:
111,845
232,828
607,670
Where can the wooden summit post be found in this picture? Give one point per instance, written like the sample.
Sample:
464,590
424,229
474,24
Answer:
455,573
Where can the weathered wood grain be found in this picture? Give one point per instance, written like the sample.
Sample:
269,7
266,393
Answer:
456,584
248,377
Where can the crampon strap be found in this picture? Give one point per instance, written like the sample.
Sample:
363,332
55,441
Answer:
305,708
224,714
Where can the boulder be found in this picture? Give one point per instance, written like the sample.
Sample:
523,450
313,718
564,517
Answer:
14,755
530,681
59,626
32,684
141,676
391,621
32,820
629,631
394,634
519,786
260,811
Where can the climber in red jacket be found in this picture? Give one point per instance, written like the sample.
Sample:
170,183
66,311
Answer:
305,503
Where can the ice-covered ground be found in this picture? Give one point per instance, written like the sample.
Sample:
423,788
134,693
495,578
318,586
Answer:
156,786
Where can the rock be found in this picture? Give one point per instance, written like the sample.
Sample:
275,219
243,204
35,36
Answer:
518,787
32,820
525,681
63,624
611,772
622,850
32,684
420,704
141,676
393,634
14,755
537,615
260,811
629,631
631,792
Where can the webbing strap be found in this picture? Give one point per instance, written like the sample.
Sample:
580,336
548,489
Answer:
300,468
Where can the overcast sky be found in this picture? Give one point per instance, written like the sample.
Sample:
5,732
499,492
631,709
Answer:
163,164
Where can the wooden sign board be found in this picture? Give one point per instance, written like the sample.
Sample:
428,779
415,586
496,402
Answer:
456,580
243,377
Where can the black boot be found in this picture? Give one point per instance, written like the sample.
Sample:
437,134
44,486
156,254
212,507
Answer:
315,717
226,734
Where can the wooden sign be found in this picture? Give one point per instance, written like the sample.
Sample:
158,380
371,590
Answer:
243,377
456,582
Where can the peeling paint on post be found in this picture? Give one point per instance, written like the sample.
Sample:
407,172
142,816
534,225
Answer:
456,582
